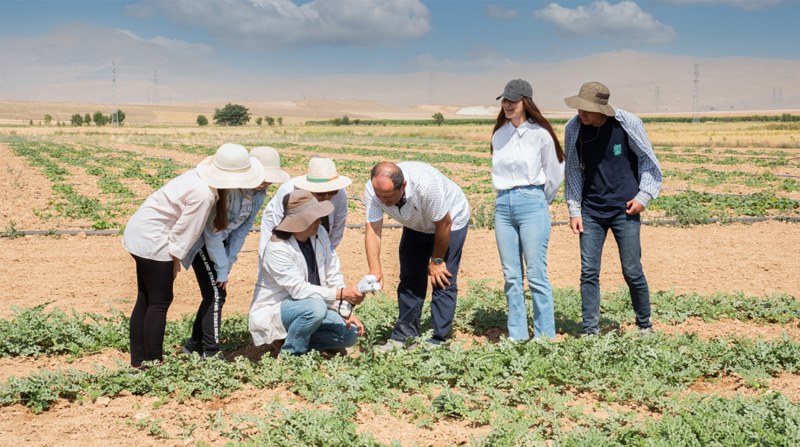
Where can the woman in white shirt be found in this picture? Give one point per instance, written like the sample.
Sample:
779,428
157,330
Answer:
163,230
214,254
527,170
300,296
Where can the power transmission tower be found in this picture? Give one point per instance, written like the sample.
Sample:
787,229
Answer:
115,112
155,86
696,95
658,99
430,86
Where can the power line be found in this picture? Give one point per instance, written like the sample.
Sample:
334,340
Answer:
696,95
115,112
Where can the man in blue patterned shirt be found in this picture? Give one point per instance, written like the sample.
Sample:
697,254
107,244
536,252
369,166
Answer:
612,174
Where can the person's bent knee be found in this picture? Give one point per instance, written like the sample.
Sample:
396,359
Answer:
315,310
350,337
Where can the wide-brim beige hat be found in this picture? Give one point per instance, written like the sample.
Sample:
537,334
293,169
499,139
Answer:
302,209
271,162
322,177
593,97
231,167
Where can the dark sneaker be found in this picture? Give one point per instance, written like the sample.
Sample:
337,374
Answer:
191,346
589,334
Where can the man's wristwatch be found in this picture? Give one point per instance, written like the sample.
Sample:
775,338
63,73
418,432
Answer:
437,261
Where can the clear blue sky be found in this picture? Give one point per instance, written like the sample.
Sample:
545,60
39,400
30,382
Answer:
388,36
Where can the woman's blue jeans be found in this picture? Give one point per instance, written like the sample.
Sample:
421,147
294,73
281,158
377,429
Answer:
626,232
310,324
522,229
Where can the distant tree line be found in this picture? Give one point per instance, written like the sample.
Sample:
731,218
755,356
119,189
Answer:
98,118
236,115
439,120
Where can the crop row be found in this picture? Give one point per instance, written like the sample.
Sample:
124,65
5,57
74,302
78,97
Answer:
481,311
532,388
523,393
112,168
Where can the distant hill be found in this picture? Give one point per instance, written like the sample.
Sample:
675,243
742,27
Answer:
49,69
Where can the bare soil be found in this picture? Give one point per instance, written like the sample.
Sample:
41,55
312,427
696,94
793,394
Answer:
95,274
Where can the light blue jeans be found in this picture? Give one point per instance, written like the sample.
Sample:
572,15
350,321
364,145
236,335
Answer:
310,324
522,229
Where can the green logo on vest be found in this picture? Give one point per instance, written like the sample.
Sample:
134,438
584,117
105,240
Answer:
617,150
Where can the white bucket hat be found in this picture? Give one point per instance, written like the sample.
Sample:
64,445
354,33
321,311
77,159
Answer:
322,177
231,168
271,162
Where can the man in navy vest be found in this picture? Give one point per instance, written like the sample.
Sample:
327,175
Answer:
612,174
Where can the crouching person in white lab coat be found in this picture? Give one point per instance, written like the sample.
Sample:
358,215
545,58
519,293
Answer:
300,295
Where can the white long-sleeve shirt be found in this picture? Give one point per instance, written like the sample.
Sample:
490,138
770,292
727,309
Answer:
523,156
283,275
170,221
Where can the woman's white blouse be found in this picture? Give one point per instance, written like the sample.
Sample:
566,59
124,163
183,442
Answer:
523,156
170,221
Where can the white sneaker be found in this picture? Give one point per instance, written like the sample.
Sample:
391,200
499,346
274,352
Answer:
391,345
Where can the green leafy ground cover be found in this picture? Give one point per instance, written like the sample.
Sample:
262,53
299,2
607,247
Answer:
522,393
467,162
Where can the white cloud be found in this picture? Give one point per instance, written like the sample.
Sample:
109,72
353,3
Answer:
179,46
274,22
740,4
501,12
621,21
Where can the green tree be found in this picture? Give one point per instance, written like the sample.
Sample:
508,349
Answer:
259,120
87,119
77,120
99,119
438,118
270,121
202,120
280,120
47,119
232,115
120,117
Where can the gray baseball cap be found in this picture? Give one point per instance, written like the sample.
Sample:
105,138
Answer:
516,89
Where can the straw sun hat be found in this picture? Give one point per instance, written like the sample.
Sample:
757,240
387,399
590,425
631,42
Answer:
271,162
302,209
322,177
230,168
593,97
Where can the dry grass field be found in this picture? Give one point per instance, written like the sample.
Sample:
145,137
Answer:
723,292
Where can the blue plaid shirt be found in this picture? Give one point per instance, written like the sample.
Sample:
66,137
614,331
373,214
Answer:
649,170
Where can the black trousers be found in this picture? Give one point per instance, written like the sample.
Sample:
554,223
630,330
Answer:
207,322
415,253
149,317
